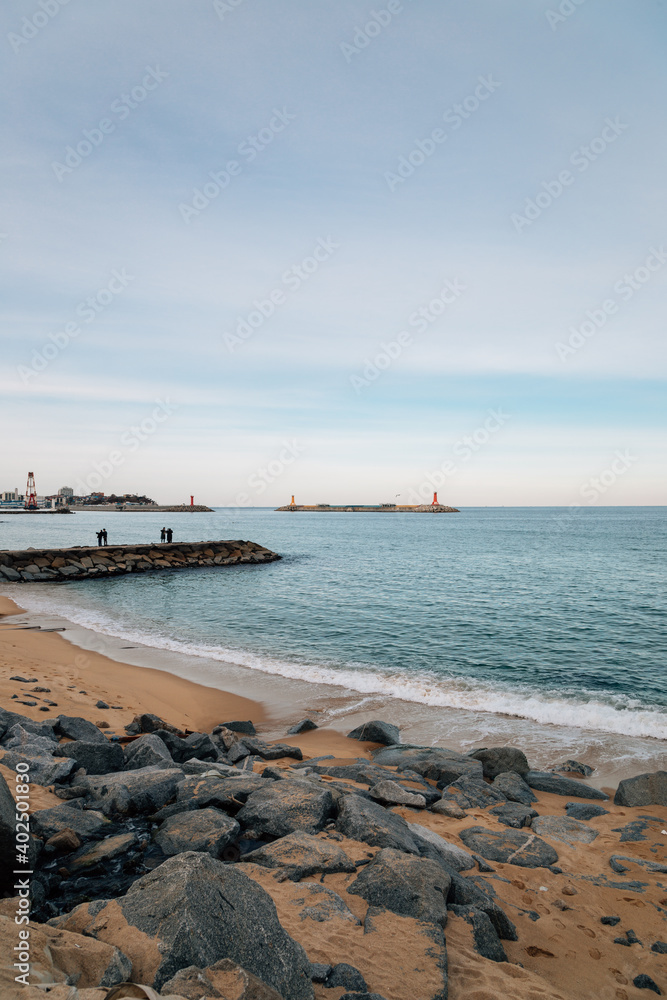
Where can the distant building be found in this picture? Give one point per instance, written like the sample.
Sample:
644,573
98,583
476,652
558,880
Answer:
11,495
65,491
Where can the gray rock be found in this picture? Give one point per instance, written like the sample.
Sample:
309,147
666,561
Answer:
8,852
148,750
76,728
513,814
285,806
435,847
223,791
322,904
564,828
132,793
644,982
545,781
148,723
198,911
514,788
319,971
9,719
19,738
209,767
86,823
96,758
574,767
648,789
226,975
472,793
44,769
301,855
201,746
497,760
509,847
376,732
248,746
360,819
301,727
241,727
445,808
584,810
391,793
659,947
485,937
412,887
346,976
207,830
468,892
437,763
101,704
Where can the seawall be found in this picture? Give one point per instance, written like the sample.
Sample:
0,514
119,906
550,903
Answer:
385,508
83,563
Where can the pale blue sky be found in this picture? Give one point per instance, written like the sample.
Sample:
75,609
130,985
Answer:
334,124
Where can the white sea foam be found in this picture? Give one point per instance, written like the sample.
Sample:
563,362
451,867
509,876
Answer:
614,713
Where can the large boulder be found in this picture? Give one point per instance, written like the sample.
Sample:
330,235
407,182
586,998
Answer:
545,781
431,845
44,769
194,910
376,732
9,719
437,763
148,723
86,823
467,891
250,746
648,789
584,810
360,819
147,750
301,855
76,728
413,887
514,788
18,737
564,828
392,794
223,791
285,806
513,814
496,760
207,830
96,758
132,793
472,793
509,847
222,979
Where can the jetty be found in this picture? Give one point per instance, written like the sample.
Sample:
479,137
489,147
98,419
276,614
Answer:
98,562
379,508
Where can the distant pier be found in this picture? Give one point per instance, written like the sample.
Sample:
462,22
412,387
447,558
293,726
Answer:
380,508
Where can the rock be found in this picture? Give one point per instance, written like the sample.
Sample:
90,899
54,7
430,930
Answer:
513,814
376,732
644,982
85,823
509,846
412,887
346,976
301,727
467,892
437,763
44,770
207,830
660,947
432,845
222,979
564,828
148,750
102,851
391,793
445,808
498,760
545,781
201,746
148,723
8,811
610,921
132,793
194,910
227,793
472,793
21,739
485,937
574,767
248,746
76,728
224,738
584,810
241,727
285,806
65,841
101,704
360,819
319,971
648,789
301,854
10,719
514,788
322,904
96,758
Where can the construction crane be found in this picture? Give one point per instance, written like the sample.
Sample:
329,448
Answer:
30,502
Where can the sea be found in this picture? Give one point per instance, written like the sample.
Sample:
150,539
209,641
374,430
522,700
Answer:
542,627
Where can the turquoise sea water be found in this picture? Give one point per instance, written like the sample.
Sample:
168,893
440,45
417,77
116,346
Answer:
533,612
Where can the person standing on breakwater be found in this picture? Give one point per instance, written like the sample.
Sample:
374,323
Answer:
170,534
163,535
100,536
105,537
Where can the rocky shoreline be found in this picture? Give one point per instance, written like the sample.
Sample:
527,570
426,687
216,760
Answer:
83,563
220,865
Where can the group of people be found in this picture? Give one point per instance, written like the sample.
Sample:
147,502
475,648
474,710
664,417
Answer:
102,538
166,535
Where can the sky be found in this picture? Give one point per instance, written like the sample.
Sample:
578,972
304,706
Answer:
345,251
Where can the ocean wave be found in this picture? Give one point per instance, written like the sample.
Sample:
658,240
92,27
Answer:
614,713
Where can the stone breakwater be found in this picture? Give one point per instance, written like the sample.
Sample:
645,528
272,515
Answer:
81,563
